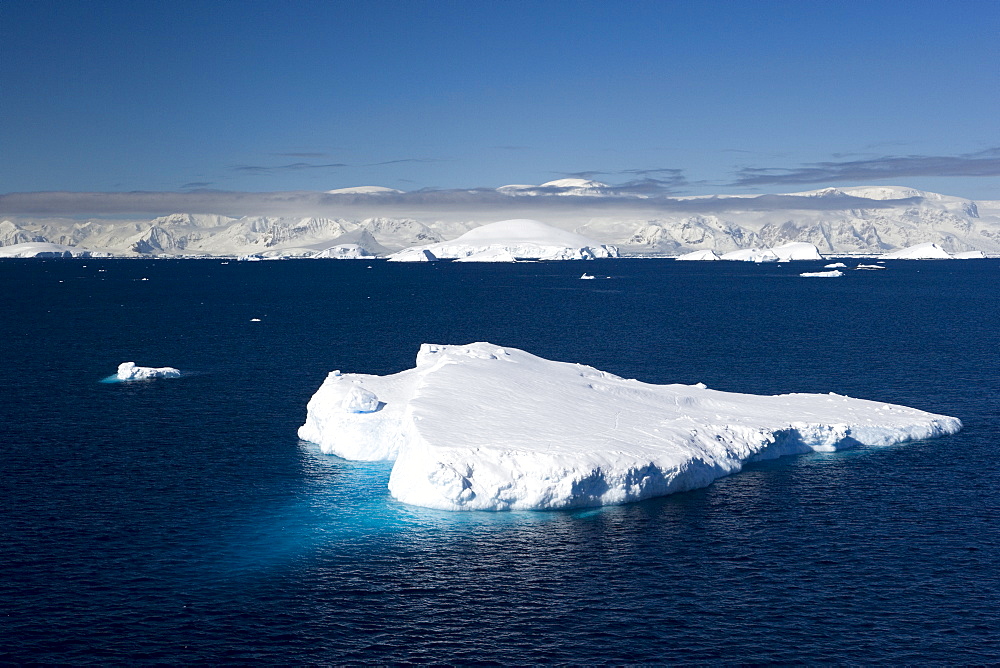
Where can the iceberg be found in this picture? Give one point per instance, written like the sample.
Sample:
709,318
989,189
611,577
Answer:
413,255
927,251
344,252
969,255
489,255
750,255
482,427
698,255
129,371
797,251
835,265
836,273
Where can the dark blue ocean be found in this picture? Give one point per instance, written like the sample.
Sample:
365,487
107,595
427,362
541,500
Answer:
181,520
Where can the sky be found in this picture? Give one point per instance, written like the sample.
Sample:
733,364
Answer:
680,98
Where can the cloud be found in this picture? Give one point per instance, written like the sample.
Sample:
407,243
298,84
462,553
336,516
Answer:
980,163
196,185
654,181
396,162
292,167
265,170
302,155
483,204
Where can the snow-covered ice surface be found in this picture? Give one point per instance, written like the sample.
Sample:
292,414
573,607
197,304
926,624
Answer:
413,255
699,256
480,427
42,249
750,255
344,252
129,371
968,255
798,250
926,251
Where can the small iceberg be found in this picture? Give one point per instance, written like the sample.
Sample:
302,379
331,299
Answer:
869,267
586,276
128,371
822,274
835,265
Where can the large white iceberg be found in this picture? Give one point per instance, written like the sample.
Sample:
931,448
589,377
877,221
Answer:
522,239
480,427
129,371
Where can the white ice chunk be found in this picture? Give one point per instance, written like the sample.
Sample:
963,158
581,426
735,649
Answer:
129,371
835,265
822,274
479,427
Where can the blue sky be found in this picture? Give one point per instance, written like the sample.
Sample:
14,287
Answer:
692,97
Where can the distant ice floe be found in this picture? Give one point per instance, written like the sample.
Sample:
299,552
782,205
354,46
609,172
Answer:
128,371
822,274
508,240
481,427
835,265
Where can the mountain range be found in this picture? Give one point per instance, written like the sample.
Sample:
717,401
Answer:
861,220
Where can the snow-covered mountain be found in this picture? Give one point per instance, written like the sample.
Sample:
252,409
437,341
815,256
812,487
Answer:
509,240
863,220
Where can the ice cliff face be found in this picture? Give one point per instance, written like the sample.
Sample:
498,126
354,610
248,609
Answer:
874,219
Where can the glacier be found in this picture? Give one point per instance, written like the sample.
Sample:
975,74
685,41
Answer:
484,427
